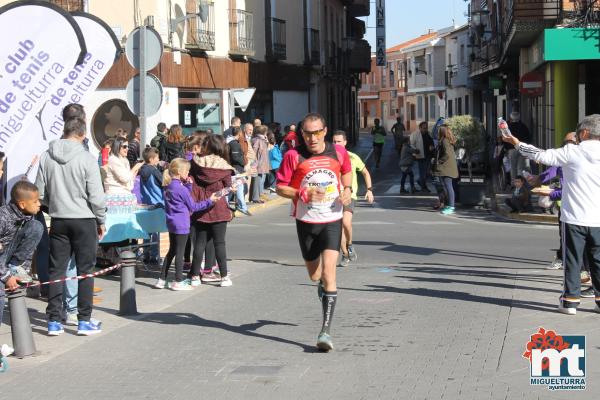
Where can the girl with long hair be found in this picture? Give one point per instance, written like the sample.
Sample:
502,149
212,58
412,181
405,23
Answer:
445,165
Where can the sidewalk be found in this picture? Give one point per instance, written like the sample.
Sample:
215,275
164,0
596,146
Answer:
536,215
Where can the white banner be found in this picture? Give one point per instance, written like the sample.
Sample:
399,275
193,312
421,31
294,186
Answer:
40,44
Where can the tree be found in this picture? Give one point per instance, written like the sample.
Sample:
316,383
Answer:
470,136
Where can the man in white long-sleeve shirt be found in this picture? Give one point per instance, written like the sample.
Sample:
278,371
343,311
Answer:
580,213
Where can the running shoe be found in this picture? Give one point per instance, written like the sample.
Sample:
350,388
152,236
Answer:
324,342
55,328
160,284
210,277
181,286
588,293
556,264
352,253
195,281
88,328
447,211
226,281
345,261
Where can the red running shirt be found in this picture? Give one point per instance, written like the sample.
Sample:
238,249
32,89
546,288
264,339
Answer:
302,169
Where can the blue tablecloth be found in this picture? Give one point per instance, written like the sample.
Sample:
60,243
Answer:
136,225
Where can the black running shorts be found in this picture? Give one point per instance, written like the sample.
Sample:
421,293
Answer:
350,207
314,238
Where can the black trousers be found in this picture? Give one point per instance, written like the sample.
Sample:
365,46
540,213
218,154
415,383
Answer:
204,233
579,241
80,238
176,250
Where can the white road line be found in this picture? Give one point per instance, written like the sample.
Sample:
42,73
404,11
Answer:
372,223
433,222
394,189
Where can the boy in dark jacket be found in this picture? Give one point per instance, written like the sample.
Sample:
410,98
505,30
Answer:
521,198
406,162
152,194
19,237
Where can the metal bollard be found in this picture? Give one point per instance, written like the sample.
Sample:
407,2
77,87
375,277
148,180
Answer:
127,305
20,325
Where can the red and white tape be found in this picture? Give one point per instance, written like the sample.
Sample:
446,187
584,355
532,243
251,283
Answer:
73,278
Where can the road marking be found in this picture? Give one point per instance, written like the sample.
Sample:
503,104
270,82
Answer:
394,189
433,222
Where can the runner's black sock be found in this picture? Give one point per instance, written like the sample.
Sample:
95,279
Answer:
328,301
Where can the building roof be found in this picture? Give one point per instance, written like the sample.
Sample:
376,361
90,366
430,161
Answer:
422,38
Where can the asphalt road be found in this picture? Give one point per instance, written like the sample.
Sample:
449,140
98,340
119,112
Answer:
435,308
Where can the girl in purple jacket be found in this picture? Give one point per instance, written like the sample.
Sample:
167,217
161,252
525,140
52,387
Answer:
179,205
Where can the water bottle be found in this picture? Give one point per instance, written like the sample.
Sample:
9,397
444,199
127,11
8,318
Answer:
503,127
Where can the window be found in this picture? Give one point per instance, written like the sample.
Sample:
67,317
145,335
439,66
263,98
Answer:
429,65
419,107
449,108
467,105
373,112
462,54
432,108
391,68
459,106
383,72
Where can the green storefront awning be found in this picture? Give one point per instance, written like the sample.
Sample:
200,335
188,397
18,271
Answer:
572,44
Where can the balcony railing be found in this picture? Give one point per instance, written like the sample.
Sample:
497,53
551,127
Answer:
313,47
359,56
241,33
532,11
278,33
69,5
201,30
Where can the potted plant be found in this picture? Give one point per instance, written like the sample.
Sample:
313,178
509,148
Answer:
470,138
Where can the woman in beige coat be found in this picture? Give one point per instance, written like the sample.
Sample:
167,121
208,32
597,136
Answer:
445,165
119,177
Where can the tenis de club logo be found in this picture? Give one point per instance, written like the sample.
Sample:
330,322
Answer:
556,361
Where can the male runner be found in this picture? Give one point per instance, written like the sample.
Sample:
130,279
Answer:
317,176
348,252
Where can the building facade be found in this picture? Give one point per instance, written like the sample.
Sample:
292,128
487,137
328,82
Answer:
299,55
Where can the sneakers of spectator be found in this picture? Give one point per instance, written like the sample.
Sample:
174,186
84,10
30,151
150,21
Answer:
585,277
55,328
345,261
352,253
588,293
20,272
556,264
5,351
447,210
181,286
566,310
71,319
211,277
88,328
160,284
226,281
195,281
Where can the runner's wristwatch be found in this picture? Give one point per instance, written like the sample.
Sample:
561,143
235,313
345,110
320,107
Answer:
369,189
349,187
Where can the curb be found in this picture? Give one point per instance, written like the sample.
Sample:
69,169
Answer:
528,217
259,208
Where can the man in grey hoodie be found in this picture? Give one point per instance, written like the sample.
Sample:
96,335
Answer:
70,186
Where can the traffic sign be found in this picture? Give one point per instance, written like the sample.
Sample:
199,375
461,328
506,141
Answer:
243,97
152,51
153,95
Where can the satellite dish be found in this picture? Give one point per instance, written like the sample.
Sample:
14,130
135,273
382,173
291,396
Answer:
203,10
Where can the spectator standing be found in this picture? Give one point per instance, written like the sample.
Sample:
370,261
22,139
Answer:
160,138
423,144
580,213
236,122
152,194
379,134
119,177
69,183
239,160
260,145
173,145
211,173
518,163
133,153
445,165
275,158
178,207
406,165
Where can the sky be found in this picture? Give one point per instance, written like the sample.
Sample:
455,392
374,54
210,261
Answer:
407,19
